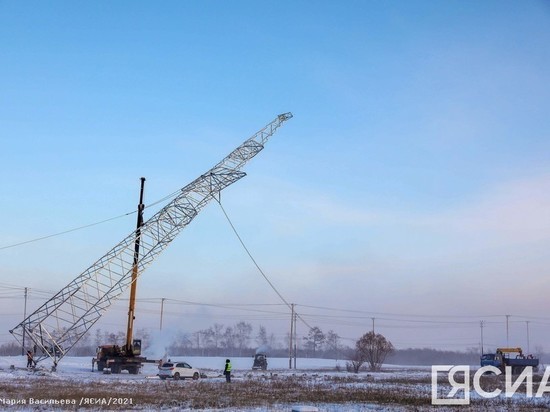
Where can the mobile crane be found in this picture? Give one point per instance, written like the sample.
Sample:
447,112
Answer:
56,326
115,358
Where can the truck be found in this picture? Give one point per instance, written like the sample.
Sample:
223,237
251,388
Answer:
512,357
260,361
114,359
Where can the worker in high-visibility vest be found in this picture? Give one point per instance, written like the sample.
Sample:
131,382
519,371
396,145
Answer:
227,370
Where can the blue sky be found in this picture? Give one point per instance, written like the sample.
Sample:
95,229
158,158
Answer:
413,179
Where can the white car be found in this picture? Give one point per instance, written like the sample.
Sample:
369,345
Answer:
178,370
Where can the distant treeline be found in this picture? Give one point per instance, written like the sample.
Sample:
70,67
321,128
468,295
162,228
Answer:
428,356
411,356
242,340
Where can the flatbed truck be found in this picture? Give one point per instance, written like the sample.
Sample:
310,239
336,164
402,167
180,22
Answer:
512,357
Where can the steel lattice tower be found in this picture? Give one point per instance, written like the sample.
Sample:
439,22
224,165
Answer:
58,324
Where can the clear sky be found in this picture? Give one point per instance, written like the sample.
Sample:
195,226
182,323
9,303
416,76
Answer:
412,185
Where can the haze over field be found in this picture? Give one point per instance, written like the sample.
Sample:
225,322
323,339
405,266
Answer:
410,190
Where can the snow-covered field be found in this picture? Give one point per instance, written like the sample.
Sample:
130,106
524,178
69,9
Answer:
317,383
81,367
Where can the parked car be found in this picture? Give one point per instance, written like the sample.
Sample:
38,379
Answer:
178,370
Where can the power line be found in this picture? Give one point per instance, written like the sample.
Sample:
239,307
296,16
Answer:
251,257
256,263
65,231
171,195
9,291
401,314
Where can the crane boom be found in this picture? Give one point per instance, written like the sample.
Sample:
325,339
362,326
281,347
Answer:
56,326
135,273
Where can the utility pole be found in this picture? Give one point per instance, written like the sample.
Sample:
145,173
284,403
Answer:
481,326
527,323
161,311
24,317
507,332
295,339
373,325
291,336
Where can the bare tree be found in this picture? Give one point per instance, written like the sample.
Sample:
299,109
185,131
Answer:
217,334
333,343
314,339
229,338
208,340
261,338
200,340
98,340
184,339
373,348
272,341
181,343
356,360
242,334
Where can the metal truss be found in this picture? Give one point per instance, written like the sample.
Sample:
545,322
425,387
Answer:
58,324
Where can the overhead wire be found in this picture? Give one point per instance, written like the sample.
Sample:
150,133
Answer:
64,232
400,314
250,255
241,307
9,291
218,200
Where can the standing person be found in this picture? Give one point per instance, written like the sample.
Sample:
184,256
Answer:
30,359
227,371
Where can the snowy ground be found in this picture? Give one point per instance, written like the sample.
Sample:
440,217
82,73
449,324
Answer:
81,367
320,383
